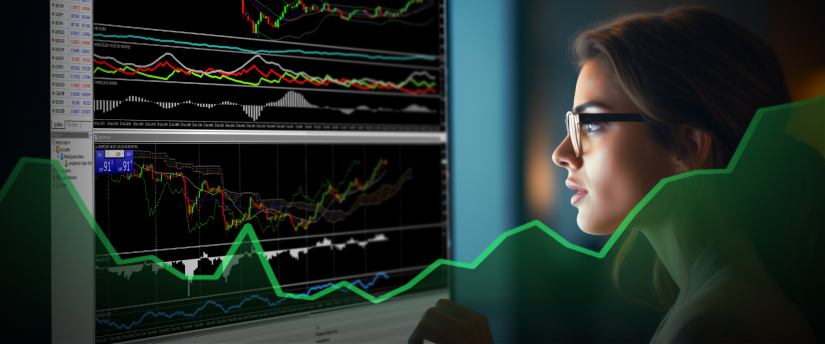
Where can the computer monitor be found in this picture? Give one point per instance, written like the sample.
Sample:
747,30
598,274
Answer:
244,158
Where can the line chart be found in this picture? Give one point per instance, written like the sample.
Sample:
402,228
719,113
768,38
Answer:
270,91
248,233
418,82
321,210
352,77
229,207
269,51
767,127
108,322
214,189
192,198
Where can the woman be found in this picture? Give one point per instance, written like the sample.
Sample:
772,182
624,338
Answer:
677,91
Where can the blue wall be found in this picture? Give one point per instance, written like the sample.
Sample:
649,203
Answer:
481,73
480,67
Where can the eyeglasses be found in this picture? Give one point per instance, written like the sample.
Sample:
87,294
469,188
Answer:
573,120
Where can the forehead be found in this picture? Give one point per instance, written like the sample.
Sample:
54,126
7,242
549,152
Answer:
596,88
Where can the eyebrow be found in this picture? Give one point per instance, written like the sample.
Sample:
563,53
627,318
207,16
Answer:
584,106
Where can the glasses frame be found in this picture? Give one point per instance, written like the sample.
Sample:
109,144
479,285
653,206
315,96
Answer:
577,119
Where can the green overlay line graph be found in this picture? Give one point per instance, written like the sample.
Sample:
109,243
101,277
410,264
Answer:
247,230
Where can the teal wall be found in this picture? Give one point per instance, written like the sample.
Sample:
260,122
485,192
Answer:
481,73
481,83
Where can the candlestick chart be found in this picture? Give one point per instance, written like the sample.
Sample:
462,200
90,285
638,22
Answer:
389,25
302,10
167,67
367,214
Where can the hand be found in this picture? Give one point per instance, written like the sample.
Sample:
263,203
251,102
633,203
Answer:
449,322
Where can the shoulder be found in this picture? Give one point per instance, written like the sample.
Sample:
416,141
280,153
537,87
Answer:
714,327
733,309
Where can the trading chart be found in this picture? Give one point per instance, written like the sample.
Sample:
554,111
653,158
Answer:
368,214
233,220
269,65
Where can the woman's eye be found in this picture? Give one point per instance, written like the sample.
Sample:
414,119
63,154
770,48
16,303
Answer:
591,127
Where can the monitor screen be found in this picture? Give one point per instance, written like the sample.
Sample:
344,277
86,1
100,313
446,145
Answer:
243,157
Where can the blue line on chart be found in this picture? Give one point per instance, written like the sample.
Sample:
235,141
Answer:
226,310
286,51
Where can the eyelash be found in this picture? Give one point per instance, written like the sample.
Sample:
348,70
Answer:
588,127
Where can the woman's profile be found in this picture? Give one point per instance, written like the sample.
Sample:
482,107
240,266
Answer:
660,94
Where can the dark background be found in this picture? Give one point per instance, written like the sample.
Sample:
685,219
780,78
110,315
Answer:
25,95
25,133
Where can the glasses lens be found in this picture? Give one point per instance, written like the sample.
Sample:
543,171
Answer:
571,130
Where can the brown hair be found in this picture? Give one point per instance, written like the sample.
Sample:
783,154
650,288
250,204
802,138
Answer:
689,66
686,66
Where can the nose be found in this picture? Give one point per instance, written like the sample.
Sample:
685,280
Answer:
565,156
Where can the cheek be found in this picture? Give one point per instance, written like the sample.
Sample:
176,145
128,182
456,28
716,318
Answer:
614,188
619,177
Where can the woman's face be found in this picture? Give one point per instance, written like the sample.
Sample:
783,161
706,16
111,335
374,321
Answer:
619,162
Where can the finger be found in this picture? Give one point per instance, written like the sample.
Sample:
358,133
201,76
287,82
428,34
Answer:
455,309
429,331
454,328
441,319
415,338
472,324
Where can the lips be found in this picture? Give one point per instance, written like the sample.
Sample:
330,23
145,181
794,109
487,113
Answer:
581,192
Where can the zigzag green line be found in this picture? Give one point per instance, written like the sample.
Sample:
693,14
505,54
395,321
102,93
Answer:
248,231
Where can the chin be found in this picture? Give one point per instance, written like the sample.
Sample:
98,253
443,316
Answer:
589,226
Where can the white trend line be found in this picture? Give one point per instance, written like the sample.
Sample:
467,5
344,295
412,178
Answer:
219,71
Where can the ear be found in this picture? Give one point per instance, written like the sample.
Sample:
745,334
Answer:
697,148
